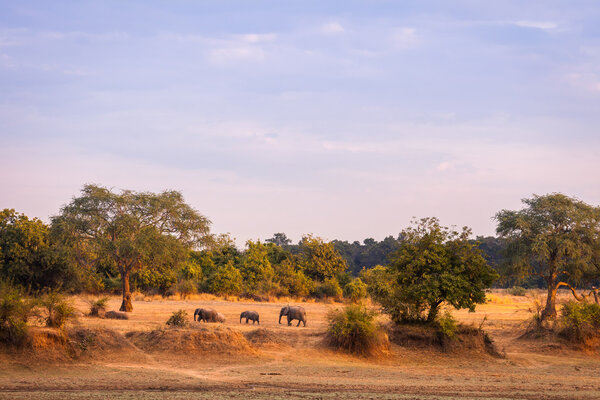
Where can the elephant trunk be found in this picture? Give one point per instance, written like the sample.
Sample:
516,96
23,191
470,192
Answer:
280,315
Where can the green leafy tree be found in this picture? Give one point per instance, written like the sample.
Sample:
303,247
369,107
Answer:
435,265
291,280
355,290
319,259
132,229
226,280
555,237
256,268
27,255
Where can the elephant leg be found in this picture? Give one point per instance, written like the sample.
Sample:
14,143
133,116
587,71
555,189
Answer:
246,320
299,322
289,321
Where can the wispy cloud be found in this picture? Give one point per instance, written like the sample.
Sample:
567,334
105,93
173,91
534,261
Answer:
543,25
332,28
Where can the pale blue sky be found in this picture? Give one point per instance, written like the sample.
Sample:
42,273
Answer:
343,119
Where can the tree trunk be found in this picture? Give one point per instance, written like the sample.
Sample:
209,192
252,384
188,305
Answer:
126,305
433,311
550,310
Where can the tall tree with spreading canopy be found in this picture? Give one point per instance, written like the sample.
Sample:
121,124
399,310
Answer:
130,229
555,237
433,265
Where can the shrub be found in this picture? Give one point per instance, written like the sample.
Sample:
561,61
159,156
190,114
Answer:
517,291
354,329
97,306
447,325
328,288
15,311
179,319
580,321
355,290
58,309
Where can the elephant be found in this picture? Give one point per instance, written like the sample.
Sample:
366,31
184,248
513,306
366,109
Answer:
250,315
220,318
293,312
208,315
198,312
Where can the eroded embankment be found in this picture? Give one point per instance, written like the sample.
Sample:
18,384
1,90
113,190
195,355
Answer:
89,344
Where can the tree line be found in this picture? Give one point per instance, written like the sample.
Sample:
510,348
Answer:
124,241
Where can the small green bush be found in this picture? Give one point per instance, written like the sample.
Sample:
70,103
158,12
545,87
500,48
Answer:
178,319
15,311
355,330
97,306
579,322
448,326
355,290
58,309
517,291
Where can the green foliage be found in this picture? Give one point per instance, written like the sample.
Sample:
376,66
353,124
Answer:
367,254
329,288
447,325
159,279
554,236
517,291
354,329
191,270
292,281
433,265
256,269
27,255
355,290
129,229
15,310
178,319
319,259
227,280
580,321
59,310
97,306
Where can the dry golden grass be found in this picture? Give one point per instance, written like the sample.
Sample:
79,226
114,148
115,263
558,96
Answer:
277,361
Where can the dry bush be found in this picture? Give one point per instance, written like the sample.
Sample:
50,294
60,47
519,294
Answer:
355,330
178,319
58,308
15,311
97,306
116,315
517,291
580,322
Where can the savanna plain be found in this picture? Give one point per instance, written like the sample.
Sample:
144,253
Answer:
142,358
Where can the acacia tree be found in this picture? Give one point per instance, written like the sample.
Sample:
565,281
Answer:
433,265
130,229
555,237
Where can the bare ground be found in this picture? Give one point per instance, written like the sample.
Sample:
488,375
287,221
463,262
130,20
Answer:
138,358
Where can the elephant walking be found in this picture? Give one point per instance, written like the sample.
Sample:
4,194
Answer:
250,315
293,312
208,315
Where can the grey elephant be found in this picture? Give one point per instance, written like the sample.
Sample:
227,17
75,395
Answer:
198,313
208,315
293,312
250,315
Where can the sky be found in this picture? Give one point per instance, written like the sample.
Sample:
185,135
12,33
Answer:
344,119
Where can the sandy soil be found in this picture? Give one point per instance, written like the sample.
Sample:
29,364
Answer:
294,363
